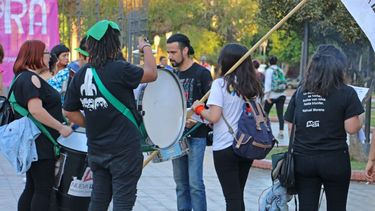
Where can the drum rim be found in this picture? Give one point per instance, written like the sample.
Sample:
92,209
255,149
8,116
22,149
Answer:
69,148
184,113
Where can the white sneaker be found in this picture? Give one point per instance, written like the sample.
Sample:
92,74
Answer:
281,135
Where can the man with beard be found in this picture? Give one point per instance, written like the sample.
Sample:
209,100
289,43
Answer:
188,170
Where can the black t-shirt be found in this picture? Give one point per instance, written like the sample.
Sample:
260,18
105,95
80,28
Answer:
107,129
320,121
24,90
196,82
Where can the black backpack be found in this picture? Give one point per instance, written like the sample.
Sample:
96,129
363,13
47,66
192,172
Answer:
6,111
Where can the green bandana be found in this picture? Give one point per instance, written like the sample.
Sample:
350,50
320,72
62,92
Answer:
83,52
98,30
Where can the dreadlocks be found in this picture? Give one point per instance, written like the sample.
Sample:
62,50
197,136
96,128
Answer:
104,49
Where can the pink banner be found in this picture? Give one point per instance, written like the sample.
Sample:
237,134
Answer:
22,20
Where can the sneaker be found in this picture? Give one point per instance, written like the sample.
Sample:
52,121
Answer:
281,135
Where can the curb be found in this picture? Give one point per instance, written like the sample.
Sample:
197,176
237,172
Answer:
357,175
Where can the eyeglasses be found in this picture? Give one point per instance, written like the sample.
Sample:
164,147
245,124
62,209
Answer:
46,52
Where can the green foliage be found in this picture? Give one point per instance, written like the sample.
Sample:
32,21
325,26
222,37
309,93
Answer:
287,46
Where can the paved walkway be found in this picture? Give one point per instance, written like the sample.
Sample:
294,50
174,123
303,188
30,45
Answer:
156,189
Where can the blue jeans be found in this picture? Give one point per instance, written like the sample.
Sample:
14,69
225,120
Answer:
188,175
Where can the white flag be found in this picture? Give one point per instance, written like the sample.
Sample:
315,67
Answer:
363,11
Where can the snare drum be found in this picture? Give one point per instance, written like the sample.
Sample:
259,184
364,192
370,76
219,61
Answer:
177,150
74,179
163,108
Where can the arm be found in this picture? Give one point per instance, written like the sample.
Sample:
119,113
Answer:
353,124
370,167
212,114
36,109
76,117
150,73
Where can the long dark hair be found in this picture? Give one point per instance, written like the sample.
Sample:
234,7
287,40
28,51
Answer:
325,71
243,80
106,48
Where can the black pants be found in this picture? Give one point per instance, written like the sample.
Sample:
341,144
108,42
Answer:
39,182
279,109
232,172
115,176
332,170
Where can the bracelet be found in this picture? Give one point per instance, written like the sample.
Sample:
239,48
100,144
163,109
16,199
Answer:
145,45
199,109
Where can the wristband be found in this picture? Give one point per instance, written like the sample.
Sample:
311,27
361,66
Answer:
199,109
145,45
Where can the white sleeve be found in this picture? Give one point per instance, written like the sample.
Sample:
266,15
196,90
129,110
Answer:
216,96
268,81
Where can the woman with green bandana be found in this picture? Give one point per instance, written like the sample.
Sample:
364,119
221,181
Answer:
114,152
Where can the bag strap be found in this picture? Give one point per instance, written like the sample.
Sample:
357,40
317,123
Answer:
115,102
24,112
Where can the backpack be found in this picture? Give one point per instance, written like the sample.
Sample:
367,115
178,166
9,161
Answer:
6,111
279,83
254,139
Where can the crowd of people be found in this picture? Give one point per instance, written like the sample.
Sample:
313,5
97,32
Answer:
323,110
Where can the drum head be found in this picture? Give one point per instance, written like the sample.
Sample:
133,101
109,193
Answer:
76,141
164,106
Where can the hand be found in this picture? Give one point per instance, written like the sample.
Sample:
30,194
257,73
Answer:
190,123
196,104
269,100
65,131
142,42
370,171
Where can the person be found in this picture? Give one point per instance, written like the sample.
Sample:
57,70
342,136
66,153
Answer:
370,167
62,53
1,71
204,63
114,151
163,63
324,109
60,80
227,99
188,170
260,75
42,101
272,96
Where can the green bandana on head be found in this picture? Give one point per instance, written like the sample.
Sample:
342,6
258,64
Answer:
98,30
83,52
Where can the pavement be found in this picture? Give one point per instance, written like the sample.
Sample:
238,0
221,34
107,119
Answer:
156,188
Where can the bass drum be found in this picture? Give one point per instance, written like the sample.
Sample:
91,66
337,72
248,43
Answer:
163,108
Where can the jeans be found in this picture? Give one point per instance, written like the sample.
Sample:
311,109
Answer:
279,109
116,175
232,172
188,175
330,169
38,188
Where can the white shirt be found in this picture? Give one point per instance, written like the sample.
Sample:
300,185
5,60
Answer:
231,105
268,84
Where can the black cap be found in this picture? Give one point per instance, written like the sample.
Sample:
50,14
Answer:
59,49
183,39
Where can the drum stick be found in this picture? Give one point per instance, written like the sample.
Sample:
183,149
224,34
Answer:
149,158
249,52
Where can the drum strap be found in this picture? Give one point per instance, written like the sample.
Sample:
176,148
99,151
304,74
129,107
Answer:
116,103
23,112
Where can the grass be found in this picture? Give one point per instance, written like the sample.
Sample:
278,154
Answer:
356,165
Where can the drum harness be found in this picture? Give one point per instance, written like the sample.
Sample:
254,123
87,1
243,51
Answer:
24,112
